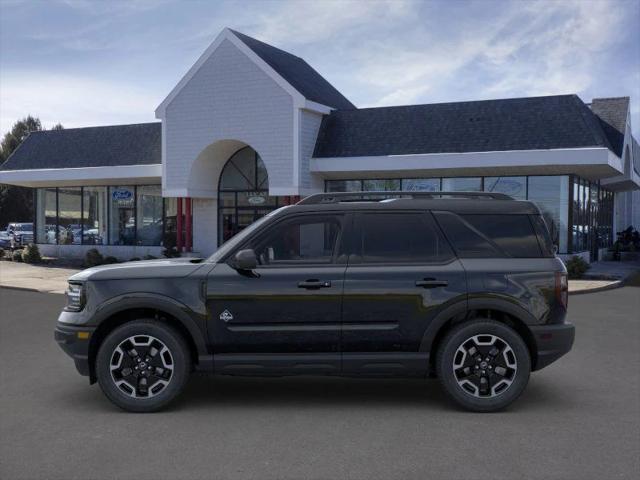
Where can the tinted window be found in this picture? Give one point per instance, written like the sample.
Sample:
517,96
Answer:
400,237
467,241
480,236
302,240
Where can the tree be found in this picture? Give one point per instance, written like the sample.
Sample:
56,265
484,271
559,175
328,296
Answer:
16,203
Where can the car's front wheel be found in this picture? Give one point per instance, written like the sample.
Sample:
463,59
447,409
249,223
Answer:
143,365
483,365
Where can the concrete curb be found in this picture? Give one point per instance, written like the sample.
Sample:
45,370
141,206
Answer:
611,286
29,289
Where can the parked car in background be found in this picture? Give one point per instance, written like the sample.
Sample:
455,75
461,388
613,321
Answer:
20,234
5,240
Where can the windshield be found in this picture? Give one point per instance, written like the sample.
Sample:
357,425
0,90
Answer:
233,242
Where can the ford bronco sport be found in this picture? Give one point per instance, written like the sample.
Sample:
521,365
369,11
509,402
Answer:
462,286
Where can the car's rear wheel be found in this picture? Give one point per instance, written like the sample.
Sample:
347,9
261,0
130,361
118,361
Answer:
143,365
483,365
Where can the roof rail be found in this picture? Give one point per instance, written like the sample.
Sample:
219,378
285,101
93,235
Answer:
337,197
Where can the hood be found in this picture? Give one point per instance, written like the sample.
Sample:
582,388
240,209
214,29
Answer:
165,268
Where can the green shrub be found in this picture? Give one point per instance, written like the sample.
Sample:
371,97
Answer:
576,267
109,260
17,256
134,259
31,254
149,257
93,258
1,252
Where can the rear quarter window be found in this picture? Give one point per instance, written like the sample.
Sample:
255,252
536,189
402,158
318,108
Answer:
486,236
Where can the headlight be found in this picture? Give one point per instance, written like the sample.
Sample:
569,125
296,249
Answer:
75,297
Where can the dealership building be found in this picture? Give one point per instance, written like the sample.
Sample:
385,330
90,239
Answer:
250,128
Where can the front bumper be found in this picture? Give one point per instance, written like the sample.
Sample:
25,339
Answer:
75,341
552,342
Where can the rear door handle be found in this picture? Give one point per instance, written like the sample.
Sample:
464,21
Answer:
314,284
431,283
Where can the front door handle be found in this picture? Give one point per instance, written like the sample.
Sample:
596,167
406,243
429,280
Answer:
313,284
431,283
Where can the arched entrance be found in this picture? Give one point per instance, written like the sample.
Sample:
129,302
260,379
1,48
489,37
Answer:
243,193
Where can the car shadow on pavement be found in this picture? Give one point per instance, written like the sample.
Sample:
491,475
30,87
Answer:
205,392
363,393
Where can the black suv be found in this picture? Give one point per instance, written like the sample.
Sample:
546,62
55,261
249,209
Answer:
462,286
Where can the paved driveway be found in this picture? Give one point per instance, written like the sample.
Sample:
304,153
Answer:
579,419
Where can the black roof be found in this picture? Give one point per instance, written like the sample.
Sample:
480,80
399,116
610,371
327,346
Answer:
109,146
533,123
298,73
612,113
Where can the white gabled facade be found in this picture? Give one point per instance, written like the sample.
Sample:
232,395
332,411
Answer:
231,98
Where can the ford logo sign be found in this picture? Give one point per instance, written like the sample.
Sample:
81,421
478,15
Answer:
121,194
256,200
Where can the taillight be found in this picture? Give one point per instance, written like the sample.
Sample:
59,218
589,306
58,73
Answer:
562,289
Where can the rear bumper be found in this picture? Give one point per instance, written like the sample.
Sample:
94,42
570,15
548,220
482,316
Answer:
552,342
74,345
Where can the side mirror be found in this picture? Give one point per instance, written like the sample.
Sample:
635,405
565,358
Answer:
245,260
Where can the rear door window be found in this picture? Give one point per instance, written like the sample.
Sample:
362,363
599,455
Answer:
399,238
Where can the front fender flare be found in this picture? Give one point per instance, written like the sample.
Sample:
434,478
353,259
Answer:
184,314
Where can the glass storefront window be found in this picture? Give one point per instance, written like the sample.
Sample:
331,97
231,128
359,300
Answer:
70,216
104,215
344,185
462,184
94,215
515,187
421,184
243,193
122,219
170,222
46,216
551,194
381,185
149,215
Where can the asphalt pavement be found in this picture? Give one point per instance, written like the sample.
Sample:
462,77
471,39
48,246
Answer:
578,419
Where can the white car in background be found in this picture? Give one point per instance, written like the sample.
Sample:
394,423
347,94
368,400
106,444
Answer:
19,234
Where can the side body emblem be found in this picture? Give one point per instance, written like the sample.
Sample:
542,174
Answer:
226,316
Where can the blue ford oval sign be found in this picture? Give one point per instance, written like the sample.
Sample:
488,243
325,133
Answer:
122,194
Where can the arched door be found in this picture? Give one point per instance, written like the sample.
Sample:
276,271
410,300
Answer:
243,193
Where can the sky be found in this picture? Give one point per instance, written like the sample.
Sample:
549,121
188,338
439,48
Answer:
85,63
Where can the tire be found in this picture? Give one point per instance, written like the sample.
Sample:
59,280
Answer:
506,374
143,365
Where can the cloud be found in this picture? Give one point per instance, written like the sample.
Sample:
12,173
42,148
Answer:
72,100
376,52
297,22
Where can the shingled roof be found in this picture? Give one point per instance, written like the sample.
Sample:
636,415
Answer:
109,146
298,73
534,123
612,113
